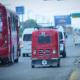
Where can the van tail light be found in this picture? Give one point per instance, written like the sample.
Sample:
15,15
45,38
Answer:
34,52
54,51
21,45
62,41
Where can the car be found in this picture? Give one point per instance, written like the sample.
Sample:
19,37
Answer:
62,41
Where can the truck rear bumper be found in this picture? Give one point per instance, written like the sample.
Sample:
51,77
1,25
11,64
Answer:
45,62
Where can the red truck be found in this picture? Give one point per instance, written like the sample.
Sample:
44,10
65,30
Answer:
45,47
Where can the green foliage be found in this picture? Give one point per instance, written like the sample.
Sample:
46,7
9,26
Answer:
27,24
30,24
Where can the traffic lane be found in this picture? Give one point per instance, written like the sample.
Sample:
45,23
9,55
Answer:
23,71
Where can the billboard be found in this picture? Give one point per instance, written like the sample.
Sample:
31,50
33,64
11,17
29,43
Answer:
62,20
75,15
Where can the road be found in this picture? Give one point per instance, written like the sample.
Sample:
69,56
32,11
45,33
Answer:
23,70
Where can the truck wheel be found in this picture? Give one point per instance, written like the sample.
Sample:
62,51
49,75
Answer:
58,63
4,61
33,66
27,55
12,56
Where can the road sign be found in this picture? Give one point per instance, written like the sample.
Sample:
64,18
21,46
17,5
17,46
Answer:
20,9
62,20
75,15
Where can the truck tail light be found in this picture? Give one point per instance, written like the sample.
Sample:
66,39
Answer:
5,41
34,52
5,44
54,51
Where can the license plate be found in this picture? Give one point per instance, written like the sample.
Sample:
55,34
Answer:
44,62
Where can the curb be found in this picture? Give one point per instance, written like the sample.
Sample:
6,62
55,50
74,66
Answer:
74,75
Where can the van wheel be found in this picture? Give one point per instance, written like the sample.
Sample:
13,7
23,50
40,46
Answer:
64,54
27,55
16,60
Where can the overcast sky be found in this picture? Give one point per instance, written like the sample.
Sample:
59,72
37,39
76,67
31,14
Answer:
39,9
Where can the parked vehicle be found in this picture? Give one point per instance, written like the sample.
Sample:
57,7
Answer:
26,49
9,36
45,48
62,41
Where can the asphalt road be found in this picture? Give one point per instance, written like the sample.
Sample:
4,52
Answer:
23,70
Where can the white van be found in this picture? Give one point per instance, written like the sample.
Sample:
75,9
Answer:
27,42
62,41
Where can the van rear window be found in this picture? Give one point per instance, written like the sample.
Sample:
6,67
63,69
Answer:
60,35
27,37
44,39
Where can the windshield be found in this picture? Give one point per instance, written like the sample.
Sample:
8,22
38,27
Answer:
0,23
27,37
44,39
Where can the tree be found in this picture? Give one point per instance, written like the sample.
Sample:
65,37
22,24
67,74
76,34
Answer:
30,24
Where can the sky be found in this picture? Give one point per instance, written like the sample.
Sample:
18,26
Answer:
45,11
